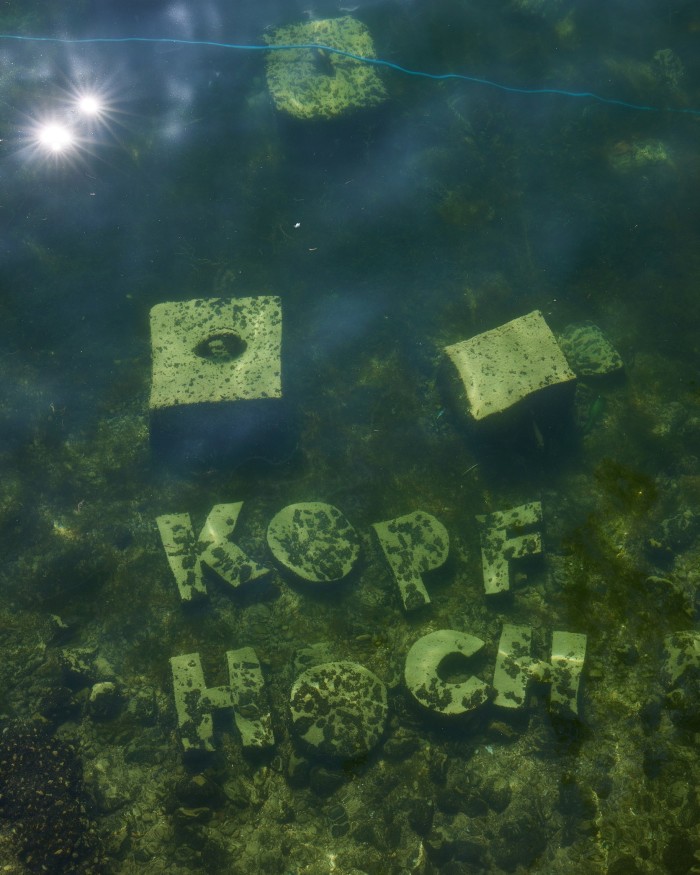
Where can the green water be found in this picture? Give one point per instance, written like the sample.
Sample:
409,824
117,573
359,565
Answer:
388,233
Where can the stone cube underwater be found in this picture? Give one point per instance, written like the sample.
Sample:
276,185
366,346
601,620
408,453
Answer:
216,388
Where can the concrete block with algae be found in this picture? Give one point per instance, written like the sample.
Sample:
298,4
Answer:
500,369
312,83
217,377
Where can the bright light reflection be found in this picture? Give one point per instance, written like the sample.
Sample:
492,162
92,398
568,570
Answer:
73,125
55,137
89,104
92,109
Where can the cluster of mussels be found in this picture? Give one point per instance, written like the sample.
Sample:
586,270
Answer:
41,793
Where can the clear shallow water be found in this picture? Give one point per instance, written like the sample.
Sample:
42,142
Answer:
388,235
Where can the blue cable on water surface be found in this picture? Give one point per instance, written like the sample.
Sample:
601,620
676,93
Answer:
377,62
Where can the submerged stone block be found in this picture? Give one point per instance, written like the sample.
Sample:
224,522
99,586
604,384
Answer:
339,709
216,349
309,83
412,544
314,541
568,656
250,706
680,674
501,368
213,549
245,694
506,535
427,659
516,668
588,350
217,377
681,655
194,703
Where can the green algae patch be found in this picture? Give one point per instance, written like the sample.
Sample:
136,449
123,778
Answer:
312,83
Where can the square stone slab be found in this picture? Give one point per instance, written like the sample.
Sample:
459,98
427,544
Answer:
216,349
501,367
313,83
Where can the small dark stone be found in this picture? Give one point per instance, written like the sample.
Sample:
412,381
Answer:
336,813
58,704
519,843
340,829
400,745
497,794
365,833
420,816
122,537
448,800
324,781
200,790
105,701
625,866
454,839
679,855
473,804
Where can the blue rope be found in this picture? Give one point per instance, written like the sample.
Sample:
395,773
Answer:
377,62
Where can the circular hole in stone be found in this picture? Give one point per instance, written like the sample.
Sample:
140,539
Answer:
221,346
454,669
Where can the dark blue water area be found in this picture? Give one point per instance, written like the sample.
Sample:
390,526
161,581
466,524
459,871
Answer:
450,208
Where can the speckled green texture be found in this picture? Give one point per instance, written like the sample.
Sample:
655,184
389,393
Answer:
423,678
309,83
339,709
314,541
588,350
505,365
216,349
412,544
507,535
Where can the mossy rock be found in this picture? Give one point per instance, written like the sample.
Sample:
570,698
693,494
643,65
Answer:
588,350
312,83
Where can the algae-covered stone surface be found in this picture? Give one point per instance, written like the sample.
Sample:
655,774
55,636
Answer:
314,541
339,709
216,350
314,83
506,365
588,350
